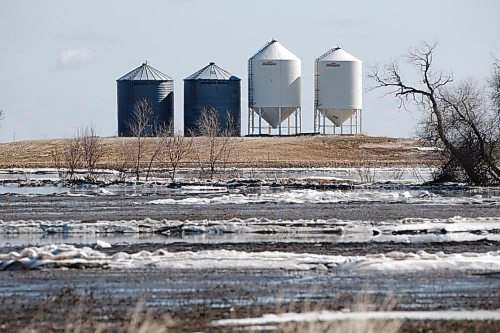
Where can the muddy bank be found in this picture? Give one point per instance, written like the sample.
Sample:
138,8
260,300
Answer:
49,300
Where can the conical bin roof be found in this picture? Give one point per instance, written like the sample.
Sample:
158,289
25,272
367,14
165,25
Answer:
145,73
274,50
212,72
337,54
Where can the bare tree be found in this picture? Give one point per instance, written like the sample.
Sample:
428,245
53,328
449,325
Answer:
142,124
218,138
176,148
72,156
456,117
155,149
495,85
92,149
229,132
82,151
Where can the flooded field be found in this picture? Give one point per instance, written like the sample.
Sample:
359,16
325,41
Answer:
276,250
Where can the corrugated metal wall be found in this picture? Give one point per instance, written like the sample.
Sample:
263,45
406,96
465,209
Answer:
221,95
160,95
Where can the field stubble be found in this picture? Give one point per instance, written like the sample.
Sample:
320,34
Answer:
298,151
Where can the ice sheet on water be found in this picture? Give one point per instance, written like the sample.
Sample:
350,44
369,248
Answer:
82,227
453,224
235,225
406,174
193,189
293,197
29,171
438,230
332,197
69,256
405,230
382,174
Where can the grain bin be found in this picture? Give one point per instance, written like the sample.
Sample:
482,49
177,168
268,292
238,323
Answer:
274,83
212,88
338,92
145,82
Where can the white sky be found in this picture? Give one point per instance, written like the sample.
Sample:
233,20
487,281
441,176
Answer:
59,59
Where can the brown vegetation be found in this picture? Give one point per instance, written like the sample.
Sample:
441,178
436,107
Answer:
300,151
83,151
219,141
80,311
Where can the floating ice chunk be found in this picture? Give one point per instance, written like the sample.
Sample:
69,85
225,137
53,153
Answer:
329,197
120,256
103,191
194,229
70,194
102,244
294,197
424,194
192,189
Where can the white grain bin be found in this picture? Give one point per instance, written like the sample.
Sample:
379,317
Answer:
274,83
338,87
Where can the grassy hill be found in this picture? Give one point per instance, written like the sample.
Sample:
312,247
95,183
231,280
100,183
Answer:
300,151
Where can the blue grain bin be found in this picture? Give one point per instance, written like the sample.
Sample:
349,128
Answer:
148,83
212,88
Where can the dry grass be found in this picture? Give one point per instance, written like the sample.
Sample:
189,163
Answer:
80,312
302,151
70,312
361,303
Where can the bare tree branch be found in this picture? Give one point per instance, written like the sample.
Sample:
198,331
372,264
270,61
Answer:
176,148
92,149
219,138
455,117
73,156
141,125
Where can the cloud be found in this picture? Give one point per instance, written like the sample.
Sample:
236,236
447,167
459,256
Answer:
75,57
86,37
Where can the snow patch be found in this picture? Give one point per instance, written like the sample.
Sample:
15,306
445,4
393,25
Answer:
427,149
326,316
102,244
